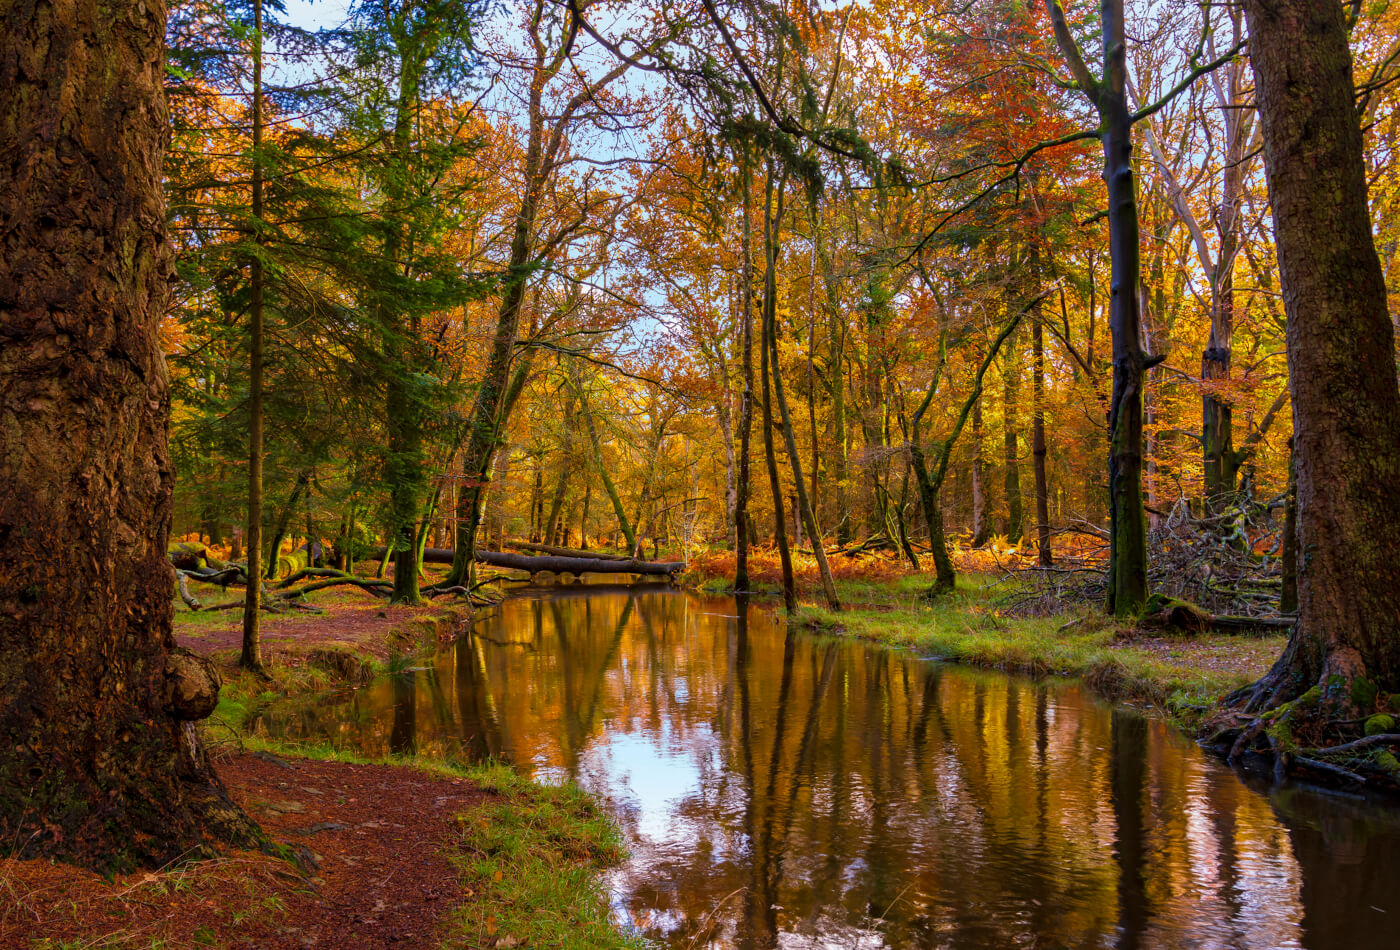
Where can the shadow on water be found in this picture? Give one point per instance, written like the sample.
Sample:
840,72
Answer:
784,790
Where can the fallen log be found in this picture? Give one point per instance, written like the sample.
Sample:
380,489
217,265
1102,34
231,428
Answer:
556,564
565,552
183,585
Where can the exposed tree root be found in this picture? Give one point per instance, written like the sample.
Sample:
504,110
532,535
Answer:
1315,734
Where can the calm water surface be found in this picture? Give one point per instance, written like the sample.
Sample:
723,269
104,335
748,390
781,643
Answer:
782,790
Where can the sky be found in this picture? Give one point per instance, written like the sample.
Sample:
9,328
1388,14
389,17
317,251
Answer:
311,14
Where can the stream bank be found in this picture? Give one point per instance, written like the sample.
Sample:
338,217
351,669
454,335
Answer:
1177,673
398,851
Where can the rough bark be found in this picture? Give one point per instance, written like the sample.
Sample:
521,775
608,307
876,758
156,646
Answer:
1341,362
1288,591
100,764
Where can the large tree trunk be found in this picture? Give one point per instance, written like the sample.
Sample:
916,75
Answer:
1341,363
1127,590
101,764
1127,557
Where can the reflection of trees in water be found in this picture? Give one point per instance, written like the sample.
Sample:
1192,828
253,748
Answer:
857,794
1126,762
1346,848
403,733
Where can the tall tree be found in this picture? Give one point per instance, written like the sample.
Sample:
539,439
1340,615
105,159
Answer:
1341,361
250,657
559,99
101,765
425,48
1127,568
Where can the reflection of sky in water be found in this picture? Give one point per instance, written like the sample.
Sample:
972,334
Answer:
647,775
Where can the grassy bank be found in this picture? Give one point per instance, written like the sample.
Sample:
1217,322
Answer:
527,857
1176,672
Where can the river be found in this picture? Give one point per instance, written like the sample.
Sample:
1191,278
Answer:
786,790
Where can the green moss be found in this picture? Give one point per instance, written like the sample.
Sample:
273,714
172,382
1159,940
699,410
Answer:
1363,693
1380,723
1282,734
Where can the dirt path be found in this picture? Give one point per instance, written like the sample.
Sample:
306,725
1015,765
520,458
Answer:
378,835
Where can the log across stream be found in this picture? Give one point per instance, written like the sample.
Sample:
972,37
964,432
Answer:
556,563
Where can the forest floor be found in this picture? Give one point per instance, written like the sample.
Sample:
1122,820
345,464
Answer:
1178,673
402,853
351,620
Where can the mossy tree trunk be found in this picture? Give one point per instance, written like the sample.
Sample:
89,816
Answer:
1127,567
100,764
250,657
1341,362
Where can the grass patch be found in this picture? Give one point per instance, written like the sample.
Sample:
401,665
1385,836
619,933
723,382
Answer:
530,858
1180,675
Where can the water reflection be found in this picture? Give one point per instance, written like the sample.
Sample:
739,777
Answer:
787,791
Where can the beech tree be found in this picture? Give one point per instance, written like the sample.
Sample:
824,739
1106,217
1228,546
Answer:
1341,360
99,762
